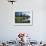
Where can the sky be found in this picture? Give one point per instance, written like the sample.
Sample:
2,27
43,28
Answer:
21,13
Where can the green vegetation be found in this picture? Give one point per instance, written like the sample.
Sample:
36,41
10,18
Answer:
21,19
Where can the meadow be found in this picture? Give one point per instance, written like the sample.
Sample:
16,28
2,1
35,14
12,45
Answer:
22,19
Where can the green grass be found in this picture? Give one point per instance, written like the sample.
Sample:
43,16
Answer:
20,20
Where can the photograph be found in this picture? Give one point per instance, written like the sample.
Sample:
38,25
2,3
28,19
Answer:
23,18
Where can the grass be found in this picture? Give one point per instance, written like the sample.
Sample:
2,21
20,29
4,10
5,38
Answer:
19,19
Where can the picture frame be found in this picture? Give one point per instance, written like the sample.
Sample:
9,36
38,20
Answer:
23,18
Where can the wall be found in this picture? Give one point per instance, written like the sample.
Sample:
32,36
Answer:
9,31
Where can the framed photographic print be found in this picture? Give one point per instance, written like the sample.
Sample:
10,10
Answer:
23,18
